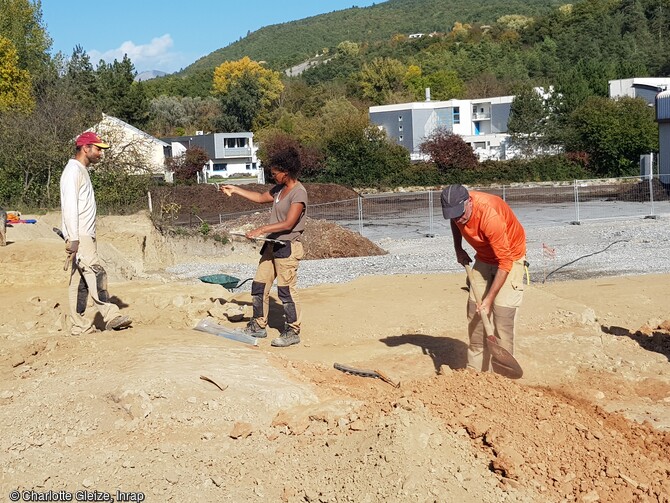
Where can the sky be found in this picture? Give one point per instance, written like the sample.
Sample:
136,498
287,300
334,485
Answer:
169,35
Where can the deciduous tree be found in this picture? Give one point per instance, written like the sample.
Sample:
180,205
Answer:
359,154
35,148
186,166
247,91
15,83
234,74
449,151
381,78
614,133
21,22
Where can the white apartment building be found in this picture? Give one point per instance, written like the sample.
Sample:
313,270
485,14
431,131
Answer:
481,122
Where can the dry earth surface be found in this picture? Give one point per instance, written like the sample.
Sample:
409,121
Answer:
128,411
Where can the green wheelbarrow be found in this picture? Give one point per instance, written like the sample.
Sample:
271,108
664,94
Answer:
230,283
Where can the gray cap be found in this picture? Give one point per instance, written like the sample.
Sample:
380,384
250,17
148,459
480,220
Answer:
453,201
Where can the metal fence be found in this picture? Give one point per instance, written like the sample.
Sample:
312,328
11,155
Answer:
419,213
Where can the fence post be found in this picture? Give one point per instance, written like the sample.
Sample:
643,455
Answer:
360,215
576,222
651,192
503,194
431,233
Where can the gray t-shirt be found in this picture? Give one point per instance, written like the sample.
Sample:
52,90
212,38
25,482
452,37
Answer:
280,208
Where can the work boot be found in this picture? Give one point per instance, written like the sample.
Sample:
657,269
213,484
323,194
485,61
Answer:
255,330
118,323
288,337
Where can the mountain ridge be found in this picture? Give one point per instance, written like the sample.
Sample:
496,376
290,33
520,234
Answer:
286,44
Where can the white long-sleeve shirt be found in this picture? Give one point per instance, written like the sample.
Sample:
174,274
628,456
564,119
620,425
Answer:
77,201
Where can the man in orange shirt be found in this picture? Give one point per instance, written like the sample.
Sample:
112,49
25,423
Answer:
488,224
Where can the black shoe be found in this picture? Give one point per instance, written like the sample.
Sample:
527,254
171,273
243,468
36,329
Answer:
288,337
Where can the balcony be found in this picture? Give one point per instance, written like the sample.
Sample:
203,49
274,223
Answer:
477,116
233,152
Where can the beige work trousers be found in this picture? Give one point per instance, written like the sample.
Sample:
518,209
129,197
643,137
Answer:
285,270
87,264
505,309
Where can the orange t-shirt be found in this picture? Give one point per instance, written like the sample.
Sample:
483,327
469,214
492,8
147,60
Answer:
494,231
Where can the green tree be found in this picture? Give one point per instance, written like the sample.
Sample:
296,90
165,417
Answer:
614,133
527,121
247,91
81,79
240,105
443,84
358,154
570,91
166,115
35,148
174,115
381,79
121,96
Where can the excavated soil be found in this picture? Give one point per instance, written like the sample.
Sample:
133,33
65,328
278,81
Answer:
128,411
204,201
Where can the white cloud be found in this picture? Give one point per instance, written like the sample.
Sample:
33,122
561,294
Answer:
156,55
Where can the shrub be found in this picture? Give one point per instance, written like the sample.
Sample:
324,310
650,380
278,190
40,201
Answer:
449,151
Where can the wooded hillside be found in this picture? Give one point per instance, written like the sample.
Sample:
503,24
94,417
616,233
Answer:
286,44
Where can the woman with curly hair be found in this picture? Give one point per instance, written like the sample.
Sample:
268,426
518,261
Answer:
278,260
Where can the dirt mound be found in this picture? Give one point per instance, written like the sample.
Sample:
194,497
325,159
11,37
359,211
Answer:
322,239
203,200
128,410
560,447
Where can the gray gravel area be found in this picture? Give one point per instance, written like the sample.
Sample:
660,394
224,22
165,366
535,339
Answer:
592,249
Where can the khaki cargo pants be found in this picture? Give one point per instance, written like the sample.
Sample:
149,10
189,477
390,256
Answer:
280,262
505,311
91,271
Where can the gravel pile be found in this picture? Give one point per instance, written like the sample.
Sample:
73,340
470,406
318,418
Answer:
593,249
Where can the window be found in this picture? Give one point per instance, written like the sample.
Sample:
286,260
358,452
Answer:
444,118
456,115
400,138
220,166
235,142
399,118
400,129
248,167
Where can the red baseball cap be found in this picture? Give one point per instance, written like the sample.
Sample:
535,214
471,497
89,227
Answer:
90,138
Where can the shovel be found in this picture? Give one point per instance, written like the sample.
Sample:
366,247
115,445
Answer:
259,238
502,361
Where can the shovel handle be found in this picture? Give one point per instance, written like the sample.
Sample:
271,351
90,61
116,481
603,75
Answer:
488,326
259,238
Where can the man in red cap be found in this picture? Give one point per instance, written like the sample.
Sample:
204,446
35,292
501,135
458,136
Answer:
488,224
87,276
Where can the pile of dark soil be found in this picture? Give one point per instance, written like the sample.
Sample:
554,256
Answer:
193,204
205,202
321,239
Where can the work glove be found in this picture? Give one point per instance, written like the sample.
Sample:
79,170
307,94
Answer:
71,246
